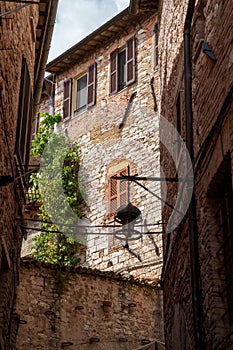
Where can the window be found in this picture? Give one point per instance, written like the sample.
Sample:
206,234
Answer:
85,92
156,50
81,94
122,67
118,193
23,130
224,216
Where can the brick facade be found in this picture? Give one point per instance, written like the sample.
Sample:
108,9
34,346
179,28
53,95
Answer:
21,47
213,165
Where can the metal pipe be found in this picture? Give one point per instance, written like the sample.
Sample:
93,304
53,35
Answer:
193,230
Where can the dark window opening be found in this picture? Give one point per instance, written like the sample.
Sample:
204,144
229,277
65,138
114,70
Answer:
223,196
121,70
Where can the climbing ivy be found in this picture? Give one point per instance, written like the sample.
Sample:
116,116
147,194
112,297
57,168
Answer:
51,245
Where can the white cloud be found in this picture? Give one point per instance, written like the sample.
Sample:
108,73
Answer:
78,18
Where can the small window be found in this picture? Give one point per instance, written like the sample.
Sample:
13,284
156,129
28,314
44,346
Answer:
118,193
156,48
122,67
84,92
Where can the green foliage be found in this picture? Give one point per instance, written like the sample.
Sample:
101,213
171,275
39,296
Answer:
55,248
51,245
44,132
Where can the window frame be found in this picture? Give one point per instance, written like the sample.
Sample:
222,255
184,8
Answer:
71,95
130,66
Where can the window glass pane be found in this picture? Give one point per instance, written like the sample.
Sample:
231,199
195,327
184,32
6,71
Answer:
81,100
121,70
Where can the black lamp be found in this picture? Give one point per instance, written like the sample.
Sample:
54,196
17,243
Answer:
128,215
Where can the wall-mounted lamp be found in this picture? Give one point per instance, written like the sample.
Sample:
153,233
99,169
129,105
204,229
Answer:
128,215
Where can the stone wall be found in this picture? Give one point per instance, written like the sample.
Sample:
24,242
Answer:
16,33
212,101
104,148
61,308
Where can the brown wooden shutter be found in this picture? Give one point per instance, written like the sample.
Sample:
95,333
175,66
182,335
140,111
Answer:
91,85
130,61
114,72
113,197
118,193
67,98
123,190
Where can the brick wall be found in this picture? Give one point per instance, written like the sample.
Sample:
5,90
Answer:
61,306
212,145
16,41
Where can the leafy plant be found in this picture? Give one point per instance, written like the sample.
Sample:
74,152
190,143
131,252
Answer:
47,121
51,245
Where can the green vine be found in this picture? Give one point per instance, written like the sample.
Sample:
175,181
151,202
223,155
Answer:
52,246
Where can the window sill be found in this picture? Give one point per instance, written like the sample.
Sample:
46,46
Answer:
118,92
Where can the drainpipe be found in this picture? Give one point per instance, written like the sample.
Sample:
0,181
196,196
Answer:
193,230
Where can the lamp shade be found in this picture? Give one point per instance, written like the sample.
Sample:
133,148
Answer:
127,213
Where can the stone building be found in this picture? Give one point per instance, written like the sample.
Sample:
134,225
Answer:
25,32
107,91
86,309
198,265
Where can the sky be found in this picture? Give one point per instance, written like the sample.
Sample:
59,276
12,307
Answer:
78,18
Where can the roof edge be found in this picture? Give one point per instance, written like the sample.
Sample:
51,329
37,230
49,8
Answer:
87,38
